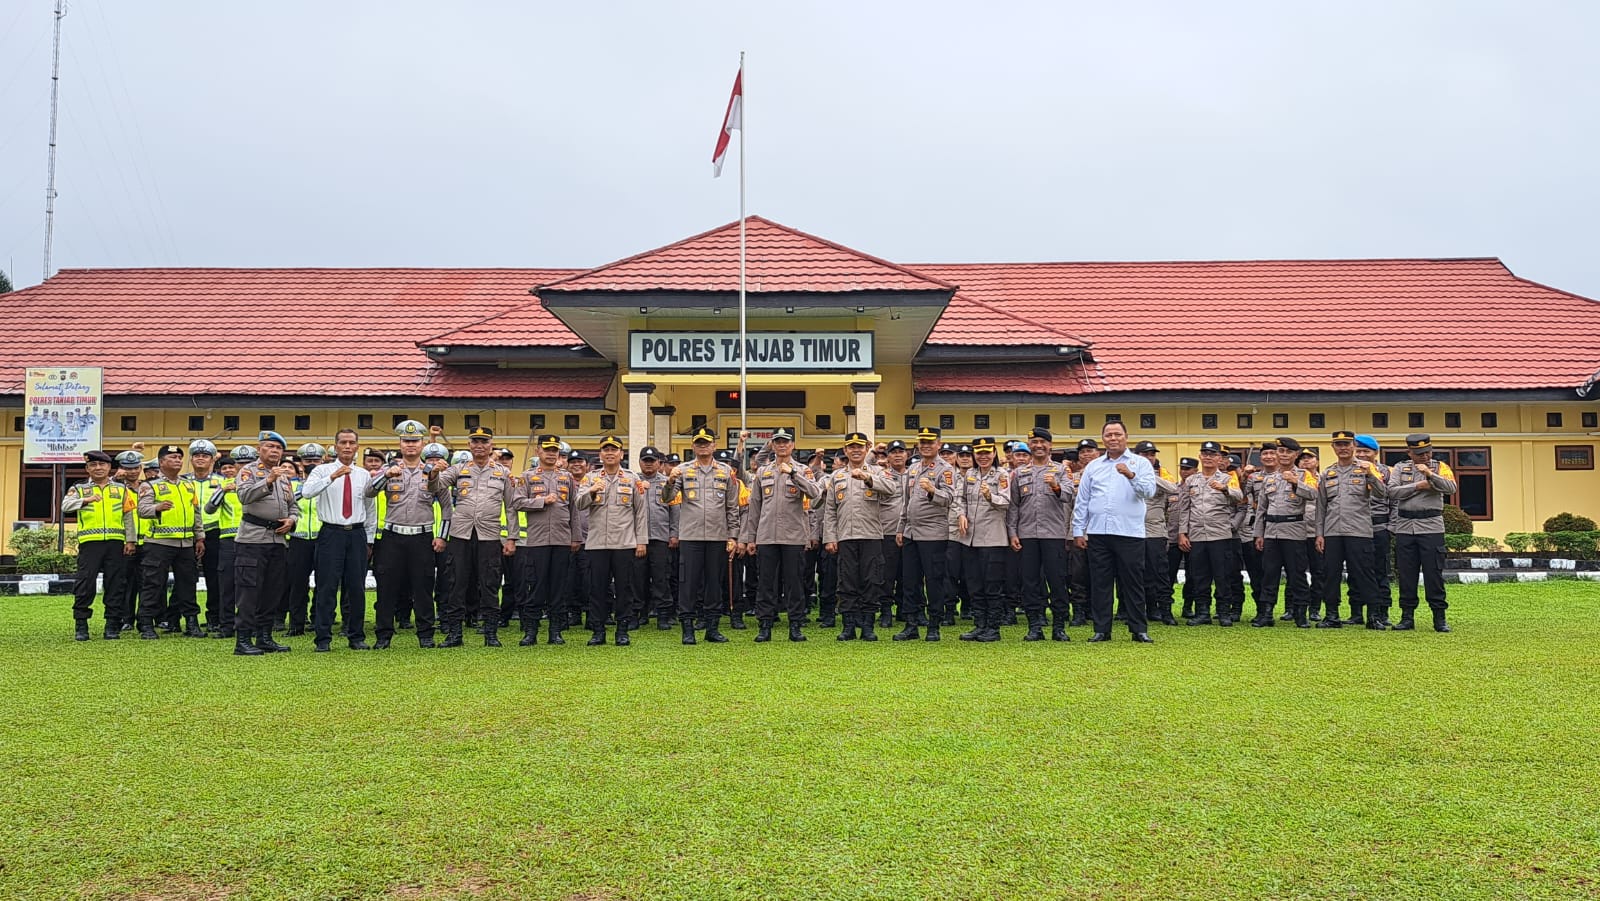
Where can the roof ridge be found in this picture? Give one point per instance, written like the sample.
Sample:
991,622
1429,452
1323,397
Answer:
1021,318
1214,261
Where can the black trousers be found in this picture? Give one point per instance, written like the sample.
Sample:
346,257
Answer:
1352,553
606,567
475,580
1117,562
404,565
228,597
441,580
1424,554
513,595
1252,568
96,558
1157,588
985,569
160,559
651,582
889,586
1283,558
1235,579
211,568
1177,557
1208,568
1080,581
955,574
546,568
302,563
1044,564
860,569
260,578
827,583
702,579
779,581
924,591
341,578
577,600
132,581
1382,547
1314,565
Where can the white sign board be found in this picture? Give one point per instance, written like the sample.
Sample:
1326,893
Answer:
765,352
62,406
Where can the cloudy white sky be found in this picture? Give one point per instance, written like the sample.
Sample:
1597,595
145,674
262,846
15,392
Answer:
299,133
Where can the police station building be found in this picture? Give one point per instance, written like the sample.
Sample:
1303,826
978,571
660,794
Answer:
1499,369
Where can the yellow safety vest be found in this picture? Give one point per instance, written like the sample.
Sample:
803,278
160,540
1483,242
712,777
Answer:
308,525
229,513
179,522
102,520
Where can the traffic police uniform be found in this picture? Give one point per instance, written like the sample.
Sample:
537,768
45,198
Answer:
852,516
1344,523
776,525
1205,517
107,534
924,528
547,497
223,503
1419,532
211,564
479,497
175,533
1041,501
260,554
986,496
302,556
706,498
619,529
1281,527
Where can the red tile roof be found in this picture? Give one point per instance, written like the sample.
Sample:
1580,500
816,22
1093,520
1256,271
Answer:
1247,325
987,378
339,332
777,259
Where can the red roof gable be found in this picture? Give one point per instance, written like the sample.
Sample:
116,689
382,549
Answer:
1269,325
777,259
338,332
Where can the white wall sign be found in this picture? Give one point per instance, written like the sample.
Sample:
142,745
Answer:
62,421
766,351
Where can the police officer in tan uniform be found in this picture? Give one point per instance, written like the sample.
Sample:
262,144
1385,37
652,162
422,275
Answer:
619,531
853,500
985,497
1344,526
482,493
1418,487
706,495
775,532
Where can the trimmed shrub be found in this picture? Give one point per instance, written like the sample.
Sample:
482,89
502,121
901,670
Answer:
1485,544
1569,522
1519,542
1458,542
1456,521
1577,545
49,562
27,542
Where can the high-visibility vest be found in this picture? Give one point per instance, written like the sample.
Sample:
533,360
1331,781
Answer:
306,529
203,489
522,523
382,506
102,520
229,513
180,521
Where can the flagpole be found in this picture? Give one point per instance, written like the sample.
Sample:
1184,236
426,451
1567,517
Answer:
743,346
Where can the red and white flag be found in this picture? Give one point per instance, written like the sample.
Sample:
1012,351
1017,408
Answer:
733,119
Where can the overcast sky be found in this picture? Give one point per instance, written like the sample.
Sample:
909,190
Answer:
570,134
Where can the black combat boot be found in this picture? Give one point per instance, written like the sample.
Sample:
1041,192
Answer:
991,629
763,631
1058,630
622,639
867,634
243,648
147,630
1439,625
664,623
1035,628
193,629
933,630
688,630
1408,621
885,620
848,633
713,635
452,636
976,632
597,637
264,642
1331,621
736,621
794,632
1298,613
81,633
1201,617
530,634
491,636
112,633
557,623
909,633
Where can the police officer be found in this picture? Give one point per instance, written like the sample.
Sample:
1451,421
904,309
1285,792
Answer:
223,504
1078,558
1158,588
894,465
1176,556
1280,533
923,530
405,546
481,491
202,474
577,600
852,515
302,552
705,494
1418,486
955,552
434,451
619,531
1205,531
775,533
1041,496
1382,512
650,577
107,535
546,496
1344,526
176,545
266,494
985,497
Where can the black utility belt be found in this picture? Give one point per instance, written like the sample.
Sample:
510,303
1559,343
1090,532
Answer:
1286,517
261,521
345,528
1380,520
1420,514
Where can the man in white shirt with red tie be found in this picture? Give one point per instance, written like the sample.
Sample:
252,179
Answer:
344,544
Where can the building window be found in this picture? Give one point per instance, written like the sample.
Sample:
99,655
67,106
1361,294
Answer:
130,423
1113,417
1552,420
1416,420
1147,420
302,423
980,421
1380,420
197,423
230,423
1246,421
1490,420
471,421
16,423
946,421
608,422
268,422
1452,420
1041,420
1208,420
572,422
436,419
879,423
1075,422
363,420
1574,456
1280,420
399,418
40,500
824,422
913,422
535,422
1590,421
697,422
1319,420
1474,479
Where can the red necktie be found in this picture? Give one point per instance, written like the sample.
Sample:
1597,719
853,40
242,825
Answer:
347,511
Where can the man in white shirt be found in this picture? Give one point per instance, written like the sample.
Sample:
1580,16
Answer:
344,543
1108,522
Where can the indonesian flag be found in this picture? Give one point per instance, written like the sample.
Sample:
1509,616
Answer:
730,121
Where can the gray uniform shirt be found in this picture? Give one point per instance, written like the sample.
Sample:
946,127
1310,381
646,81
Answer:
546,500
410,501
1344,500
777,512
891,514
269,500
479,497
663,516
1285,495
1037,511
924,516
619,510
958,503
1204,512
853,508
1155,506
988,514
1383,507
707,501
1419,499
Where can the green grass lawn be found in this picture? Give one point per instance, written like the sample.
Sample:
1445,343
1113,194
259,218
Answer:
1217,763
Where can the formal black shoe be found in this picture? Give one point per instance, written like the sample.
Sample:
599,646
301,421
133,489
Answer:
148,633
1059,633
763,633
795,634
1203,619
1099,636
359,644
1384,621
1330,624
885,620
296,632
1354,620
596,639
491,638
1143,638
323,645
81,633
426,644
909,633
622,640
242,648
1315,617
382,645
529,639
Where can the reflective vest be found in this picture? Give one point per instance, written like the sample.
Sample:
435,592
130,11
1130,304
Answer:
382,506
307,527
522,523
229,513
204,488
179,522
102,520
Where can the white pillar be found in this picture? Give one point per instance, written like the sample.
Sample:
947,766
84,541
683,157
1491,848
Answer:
638,422
662,417
849,418
866,409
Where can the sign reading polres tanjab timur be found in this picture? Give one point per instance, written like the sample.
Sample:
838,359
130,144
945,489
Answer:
63,413
765,351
